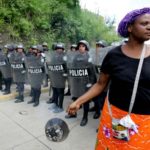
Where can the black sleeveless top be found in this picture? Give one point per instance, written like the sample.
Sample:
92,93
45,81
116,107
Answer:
122,70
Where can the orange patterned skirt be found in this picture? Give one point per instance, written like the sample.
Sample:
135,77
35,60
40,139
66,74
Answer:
138,141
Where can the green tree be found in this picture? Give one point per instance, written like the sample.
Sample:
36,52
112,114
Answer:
35,21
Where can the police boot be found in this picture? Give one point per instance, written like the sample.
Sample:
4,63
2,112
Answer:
36,102
84,119
20,99
96,115
37,96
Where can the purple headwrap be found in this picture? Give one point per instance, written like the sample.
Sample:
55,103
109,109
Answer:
130,18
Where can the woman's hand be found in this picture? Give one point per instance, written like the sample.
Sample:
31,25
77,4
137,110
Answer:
73,108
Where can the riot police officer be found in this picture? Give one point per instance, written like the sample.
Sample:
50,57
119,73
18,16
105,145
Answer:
1,78
51,99
35,69
29,52
101,50
72,49
44,50
6,68
57,70
101,44
81,76
45,46
19,71
98,56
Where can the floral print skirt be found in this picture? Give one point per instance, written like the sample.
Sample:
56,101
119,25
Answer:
138,141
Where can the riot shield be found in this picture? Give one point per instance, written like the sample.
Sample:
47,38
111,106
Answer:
18,67
98,56
81,73
56,130
35,70
70,56
5,65
56,68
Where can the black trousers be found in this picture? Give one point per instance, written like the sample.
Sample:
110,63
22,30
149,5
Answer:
7,82
1,79
58,95
36,92
20,87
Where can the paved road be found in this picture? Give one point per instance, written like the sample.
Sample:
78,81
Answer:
26,131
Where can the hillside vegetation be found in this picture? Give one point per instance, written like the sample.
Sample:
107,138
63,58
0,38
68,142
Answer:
35,21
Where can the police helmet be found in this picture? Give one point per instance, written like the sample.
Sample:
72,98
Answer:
34,47
10,47
73,46
45,44
101,43
59,46
20,46
85,43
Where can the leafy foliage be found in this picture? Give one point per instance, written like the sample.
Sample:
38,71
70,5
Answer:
33,21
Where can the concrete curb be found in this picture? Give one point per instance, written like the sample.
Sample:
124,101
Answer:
14,94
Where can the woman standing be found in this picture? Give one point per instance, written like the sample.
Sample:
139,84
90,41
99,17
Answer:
120,66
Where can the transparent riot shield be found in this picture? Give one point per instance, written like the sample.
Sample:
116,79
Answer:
56,64
18,67
5,65
35,70
81,73
97,56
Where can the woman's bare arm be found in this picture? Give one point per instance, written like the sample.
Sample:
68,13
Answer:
95,90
